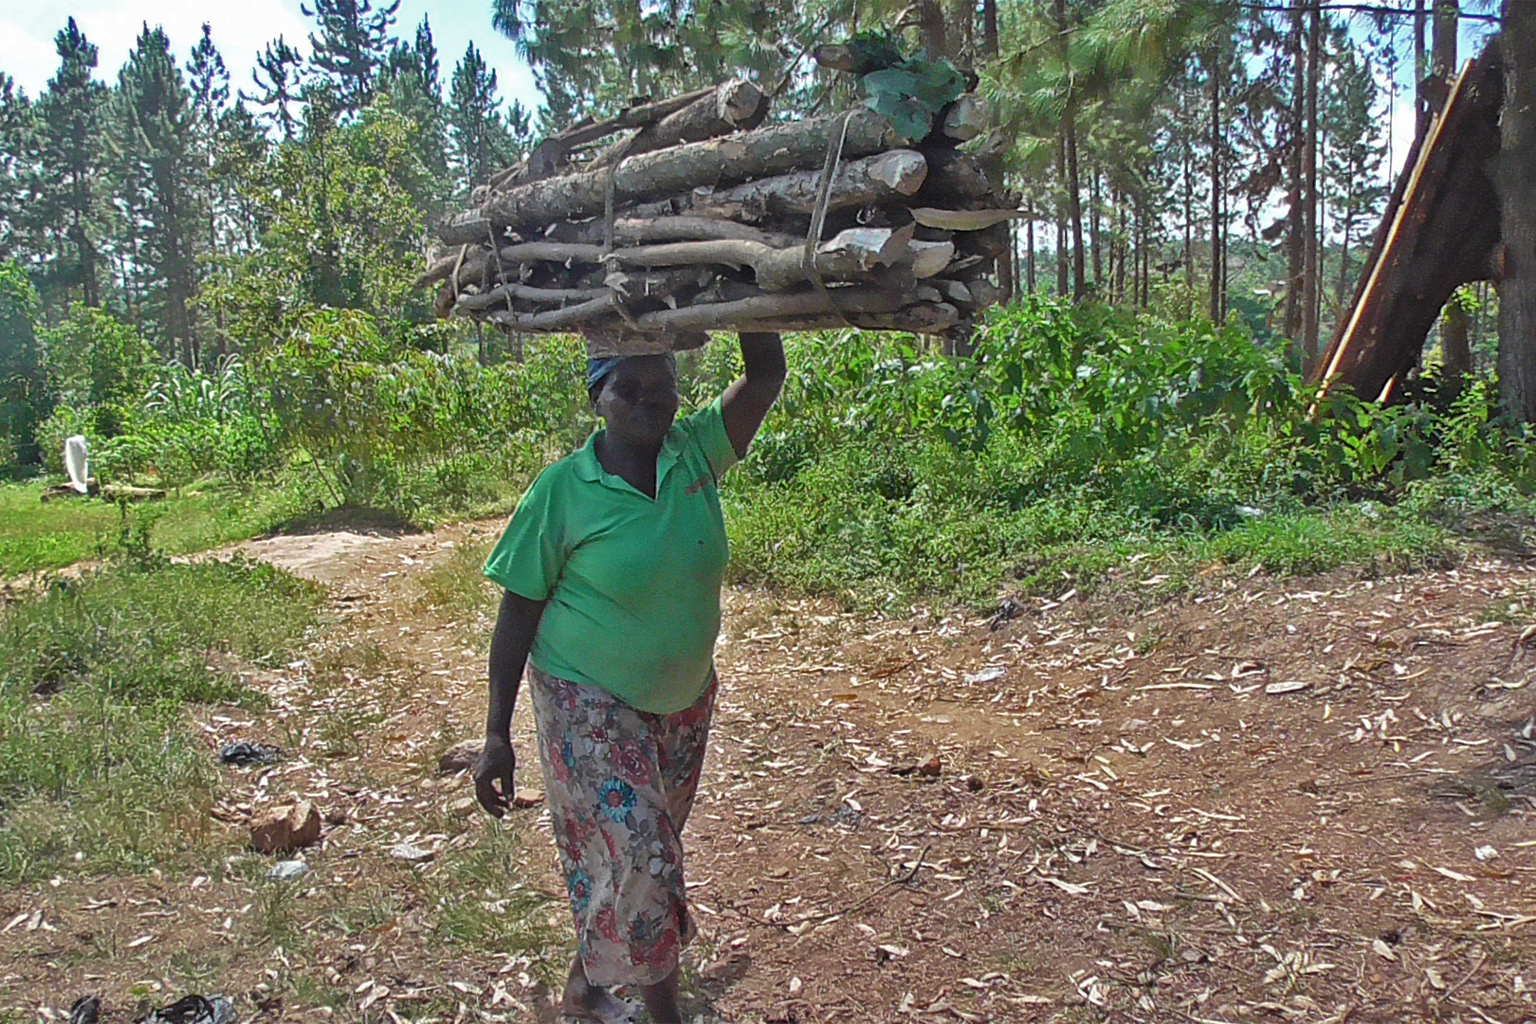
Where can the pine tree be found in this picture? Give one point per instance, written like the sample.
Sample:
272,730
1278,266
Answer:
18,140
24,397
208,80
279,91
1353,189
413,80
71,160
1516,171
351,48
159,131
480,139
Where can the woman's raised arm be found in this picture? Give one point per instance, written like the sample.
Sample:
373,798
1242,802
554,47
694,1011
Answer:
746,402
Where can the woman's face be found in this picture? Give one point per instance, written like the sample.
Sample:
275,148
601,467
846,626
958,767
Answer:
639,399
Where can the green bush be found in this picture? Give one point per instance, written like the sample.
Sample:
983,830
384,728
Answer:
1076,436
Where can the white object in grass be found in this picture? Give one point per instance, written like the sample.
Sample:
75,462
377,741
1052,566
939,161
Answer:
76,463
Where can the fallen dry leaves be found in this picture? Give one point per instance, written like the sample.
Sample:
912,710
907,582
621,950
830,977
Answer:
1271,802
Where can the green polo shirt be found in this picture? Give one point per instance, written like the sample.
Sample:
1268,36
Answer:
632,584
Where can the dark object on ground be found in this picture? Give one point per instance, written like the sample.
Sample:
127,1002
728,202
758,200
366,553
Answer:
86,1010
1440,231
111,492
1006,612
193,1010
244,753
460,757
93,490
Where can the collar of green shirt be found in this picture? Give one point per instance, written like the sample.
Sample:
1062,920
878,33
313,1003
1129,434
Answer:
592,471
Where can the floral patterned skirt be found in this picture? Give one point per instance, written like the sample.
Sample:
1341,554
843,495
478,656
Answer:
619,784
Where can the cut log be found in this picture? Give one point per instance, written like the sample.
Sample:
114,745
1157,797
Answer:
769,151
900,172
731,106
638,231
715,316
637,116
850,253
966,118
955,176
1438,235
473,267
964,220
912,320
532,296
929,258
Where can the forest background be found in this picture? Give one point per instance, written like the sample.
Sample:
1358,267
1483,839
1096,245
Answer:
212,280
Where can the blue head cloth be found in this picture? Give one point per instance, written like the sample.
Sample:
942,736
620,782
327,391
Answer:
597,369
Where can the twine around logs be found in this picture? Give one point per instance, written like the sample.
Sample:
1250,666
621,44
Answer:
819,216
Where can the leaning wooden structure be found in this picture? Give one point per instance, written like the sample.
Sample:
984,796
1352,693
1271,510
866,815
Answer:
1440,231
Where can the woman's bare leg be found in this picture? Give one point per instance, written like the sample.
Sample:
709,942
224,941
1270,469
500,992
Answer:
588,1001
661,1000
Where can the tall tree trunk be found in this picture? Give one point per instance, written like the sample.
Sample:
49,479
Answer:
989,27
1296,220
1095,202
1443,60
1073,182
1341,290
1005,267
1310,257
1189,224
1062,256
1218,262
1455,343
1516,171
1029,253
1420,66
1075,205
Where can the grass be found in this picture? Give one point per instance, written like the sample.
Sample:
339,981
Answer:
834,531
456,584
100,771
49,535
480,902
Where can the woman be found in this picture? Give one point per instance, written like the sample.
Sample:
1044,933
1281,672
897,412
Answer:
612,566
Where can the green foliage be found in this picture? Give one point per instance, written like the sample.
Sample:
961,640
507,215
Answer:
37,535
94,359
99,771
1075,438
393,427
343,214
911,94
24,395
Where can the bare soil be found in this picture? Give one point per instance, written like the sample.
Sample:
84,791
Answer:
1299,801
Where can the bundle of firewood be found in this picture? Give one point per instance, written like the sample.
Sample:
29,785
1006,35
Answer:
702,217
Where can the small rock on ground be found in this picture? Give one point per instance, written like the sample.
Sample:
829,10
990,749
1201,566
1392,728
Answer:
459,757
286,828
411,854
288,870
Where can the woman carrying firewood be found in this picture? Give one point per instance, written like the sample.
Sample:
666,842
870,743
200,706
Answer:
612,566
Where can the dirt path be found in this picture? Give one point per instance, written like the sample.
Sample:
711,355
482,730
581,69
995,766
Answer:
1281,802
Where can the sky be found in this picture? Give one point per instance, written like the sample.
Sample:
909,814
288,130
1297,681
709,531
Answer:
241,29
